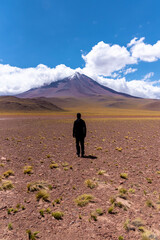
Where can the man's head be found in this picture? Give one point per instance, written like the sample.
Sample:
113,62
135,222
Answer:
78,115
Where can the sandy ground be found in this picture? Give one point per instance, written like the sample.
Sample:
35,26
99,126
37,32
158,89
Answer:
113,146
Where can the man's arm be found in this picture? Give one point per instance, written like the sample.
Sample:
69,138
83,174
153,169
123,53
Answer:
84,129
74,127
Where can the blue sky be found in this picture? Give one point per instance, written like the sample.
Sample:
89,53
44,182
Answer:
49,33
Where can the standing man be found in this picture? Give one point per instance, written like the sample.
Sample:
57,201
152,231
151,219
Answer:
79,132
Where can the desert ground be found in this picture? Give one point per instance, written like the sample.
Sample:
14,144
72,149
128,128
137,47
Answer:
42,179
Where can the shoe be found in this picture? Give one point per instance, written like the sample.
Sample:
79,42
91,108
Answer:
78,155
82,155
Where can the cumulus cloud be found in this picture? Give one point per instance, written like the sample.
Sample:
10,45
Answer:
138,88
104,59
15,80
105,63
144,52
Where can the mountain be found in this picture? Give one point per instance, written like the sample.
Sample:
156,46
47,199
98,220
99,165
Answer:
14,104
77,86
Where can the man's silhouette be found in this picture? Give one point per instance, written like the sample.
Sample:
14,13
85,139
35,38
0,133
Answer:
79,132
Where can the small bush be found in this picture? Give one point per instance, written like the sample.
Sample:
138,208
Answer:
36,186
99,211
149,180
65,164
89,183
28,170
94,216
7,185
32,236
120,238
54,165
123,190
58,215
124,175
8,173
111,209
41,211
101,172
99,148
10,227
149,203
42,194
83,200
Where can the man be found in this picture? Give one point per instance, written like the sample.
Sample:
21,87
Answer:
79,132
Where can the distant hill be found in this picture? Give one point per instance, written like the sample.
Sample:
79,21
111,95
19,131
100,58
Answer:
77,86
14,104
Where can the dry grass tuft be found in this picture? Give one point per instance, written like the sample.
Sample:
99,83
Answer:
83,200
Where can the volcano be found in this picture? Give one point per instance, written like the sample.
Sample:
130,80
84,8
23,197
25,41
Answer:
77,86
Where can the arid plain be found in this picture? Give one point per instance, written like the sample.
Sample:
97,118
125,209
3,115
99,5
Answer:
112,193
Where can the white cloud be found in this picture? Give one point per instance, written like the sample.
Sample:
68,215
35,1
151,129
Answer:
148,76
130,70
135,41
138,88
144,52
15,80
105,59
105,63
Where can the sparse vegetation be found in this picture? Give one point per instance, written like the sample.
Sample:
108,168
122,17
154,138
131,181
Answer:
90,183
94,216
124,175
36,186
28,170
84,199
149,203
101,172
6,185
42,194
54,165
10,227
58,215
32,236
111,209
99,211
8,173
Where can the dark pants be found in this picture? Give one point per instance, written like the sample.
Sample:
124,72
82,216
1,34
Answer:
80,143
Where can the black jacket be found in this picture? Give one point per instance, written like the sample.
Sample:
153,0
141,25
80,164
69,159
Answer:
79,128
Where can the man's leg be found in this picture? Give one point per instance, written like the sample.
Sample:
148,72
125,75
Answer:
77,147
82,147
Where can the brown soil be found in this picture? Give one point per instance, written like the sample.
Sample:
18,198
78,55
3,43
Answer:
114,145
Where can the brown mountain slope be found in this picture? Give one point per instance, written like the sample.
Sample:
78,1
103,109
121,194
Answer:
14,104
77,86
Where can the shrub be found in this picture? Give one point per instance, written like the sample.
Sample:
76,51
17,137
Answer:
36,186
149,203
32,236
124,175
99,211
54,165
83,200
94,216
99,148
89,183
7,185
8,173
101,172
42,194
10,227
41,211
110,209
28,170
58,215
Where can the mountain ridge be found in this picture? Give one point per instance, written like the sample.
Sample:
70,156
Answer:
77,85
